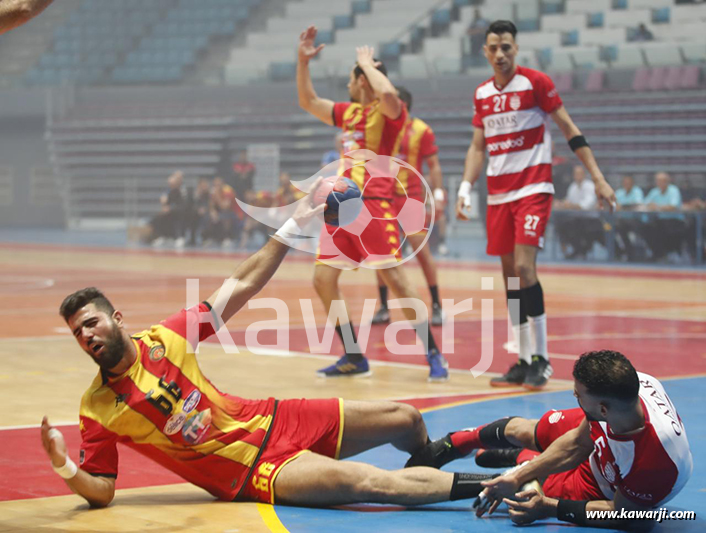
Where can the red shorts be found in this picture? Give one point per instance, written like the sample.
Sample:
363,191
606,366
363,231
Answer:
399,201
576,484
523,221
374,240
300,426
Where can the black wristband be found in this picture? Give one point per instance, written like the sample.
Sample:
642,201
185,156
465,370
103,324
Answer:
578,142
572,511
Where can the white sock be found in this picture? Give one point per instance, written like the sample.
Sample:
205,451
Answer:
523,334
512,336
539,330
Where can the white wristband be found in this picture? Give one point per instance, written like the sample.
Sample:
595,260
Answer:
464,192
67,471
439,194
289,233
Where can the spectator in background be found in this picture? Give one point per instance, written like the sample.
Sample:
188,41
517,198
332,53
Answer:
476,32
693,198
252,226
561,172
642,34
629,197
197,210
243,175
665,232
335,153
169,222
223,224
578,232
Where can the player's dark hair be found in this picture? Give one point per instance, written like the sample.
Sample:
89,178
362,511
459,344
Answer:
607,374
405,96
74,302
501,26
358,72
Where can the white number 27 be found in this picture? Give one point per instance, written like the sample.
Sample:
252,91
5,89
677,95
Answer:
531,222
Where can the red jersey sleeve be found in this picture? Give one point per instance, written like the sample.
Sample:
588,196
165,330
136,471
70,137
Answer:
477,119
99,450
338,109
199,318
427,144
399,122
545,94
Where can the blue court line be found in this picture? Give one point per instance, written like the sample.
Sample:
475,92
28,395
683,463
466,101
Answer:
688,395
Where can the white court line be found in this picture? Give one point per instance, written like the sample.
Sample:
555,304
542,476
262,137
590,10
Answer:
30,426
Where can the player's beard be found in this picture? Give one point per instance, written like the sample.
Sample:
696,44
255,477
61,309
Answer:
115,347
589,416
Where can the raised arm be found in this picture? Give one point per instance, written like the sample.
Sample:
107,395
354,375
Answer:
475,157
14,13
254,273
385,91
98,491
578,144
309,101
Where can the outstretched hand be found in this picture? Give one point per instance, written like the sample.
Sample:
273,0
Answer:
306,211
307,49
365,56
529,506
53,443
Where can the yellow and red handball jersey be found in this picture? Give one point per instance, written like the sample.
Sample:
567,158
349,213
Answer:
417,142
166,409
366,128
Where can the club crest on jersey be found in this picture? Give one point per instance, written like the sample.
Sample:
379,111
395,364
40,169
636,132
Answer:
555,417
609,473
174,424
515,102
196,427
157,352
192,400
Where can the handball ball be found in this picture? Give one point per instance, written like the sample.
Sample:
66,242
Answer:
343,198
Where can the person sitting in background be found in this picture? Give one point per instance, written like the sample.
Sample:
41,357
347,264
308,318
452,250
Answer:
286,192
335,153
243,175
665,232
252,226
223,224
579,233
197,210
694,200
628,197
169,222
642,34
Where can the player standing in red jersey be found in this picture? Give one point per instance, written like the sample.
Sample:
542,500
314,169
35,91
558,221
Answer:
371,121
625,447
14,13
511,122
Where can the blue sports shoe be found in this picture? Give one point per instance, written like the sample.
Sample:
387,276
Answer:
438,367
344,367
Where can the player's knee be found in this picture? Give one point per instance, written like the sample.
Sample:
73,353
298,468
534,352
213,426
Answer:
526,272
410,417
322,284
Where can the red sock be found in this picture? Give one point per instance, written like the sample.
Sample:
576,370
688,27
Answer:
467,440
526,455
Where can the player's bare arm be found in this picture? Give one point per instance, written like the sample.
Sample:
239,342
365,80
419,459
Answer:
475,158
436,179
309,101
98,491
565,453
390,103
254,273
538,507
604,191
14,13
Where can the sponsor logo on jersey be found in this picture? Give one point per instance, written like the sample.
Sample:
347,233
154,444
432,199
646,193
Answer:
501,121
555,417
174,424
609,473
552,93
506,144
157,352
515,102
637,494
196,427
192,400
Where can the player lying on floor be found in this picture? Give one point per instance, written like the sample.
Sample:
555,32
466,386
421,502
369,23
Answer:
624,448
151,396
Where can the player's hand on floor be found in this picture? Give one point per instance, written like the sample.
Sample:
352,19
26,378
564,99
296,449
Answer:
54,444
307,48
527,507
504,486
486,503
606,195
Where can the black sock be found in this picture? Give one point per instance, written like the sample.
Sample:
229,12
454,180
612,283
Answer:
353,352
427,341
434,291
493,435
517,320
534,300
466,485
383,296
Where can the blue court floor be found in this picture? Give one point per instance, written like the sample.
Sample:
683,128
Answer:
689,396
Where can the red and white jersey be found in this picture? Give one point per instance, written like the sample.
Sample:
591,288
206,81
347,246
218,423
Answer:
515,120
651,466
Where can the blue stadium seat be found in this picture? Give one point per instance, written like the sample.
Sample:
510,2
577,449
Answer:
595,20
661,15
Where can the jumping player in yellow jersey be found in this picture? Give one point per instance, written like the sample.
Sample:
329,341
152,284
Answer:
416,145
371,121
14,13
151,396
